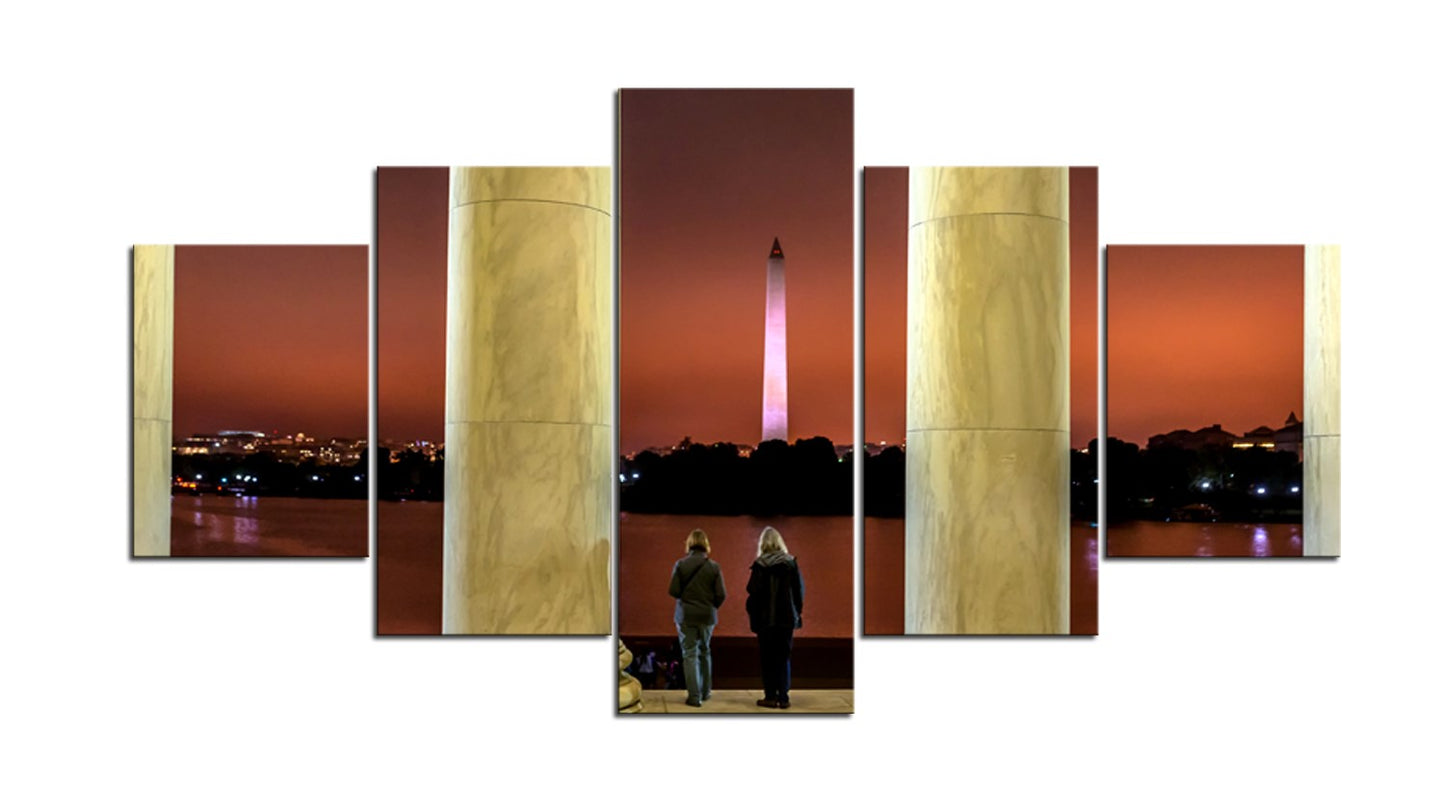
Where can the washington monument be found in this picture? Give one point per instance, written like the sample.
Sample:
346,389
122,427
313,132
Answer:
775,352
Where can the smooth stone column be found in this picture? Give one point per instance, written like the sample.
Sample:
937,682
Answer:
1322,402
987,514
528,510
154,279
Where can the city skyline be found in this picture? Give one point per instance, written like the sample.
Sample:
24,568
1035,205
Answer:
272,335
1200,335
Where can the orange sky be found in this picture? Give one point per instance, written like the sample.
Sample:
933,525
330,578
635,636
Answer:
885,304
270,338
1204,334
708,179
411,302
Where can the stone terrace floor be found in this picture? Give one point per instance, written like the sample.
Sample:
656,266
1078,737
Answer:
744,702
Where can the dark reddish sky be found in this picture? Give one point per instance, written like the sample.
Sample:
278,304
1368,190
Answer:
885,304
708,178
411,318
270,338
1204,334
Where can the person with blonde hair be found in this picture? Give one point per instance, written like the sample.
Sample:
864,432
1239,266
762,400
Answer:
697,584
775,610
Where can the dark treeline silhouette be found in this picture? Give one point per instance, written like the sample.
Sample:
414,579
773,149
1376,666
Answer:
883,483
262,474
884,479
806,478
1249,484
413,476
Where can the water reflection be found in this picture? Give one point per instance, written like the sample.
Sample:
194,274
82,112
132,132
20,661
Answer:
1261,542
245,530
217,526
1198,539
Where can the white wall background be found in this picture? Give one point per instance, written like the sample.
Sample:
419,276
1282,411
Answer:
262,123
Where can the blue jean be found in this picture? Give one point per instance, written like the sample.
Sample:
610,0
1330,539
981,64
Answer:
775,646
696,643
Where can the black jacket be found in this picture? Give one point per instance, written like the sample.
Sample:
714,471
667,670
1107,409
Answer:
775,593
697,584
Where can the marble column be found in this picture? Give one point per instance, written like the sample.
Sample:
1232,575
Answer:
154,317
1322,402
987,513
529,443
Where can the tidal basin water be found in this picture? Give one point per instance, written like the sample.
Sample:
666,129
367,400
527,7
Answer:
409,568
227,526
1199,539
649,544
884,543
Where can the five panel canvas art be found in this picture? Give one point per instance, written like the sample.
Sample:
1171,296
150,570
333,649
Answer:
634,390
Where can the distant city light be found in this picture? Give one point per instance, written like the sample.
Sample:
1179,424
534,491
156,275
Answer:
198,477
636,475
621,477
1204,485
316,477
1259,490
356,477
1294,489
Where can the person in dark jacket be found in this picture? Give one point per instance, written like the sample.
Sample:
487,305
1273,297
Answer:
697,583
775,610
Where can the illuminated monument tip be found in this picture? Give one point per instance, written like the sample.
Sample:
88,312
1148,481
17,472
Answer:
775,352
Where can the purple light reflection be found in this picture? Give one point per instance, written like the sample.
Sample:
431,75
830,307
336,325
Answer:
1261,542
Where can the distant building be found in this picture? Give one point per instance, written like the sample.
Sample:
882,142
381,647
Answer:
297,448
1184,439
1287,438
233,442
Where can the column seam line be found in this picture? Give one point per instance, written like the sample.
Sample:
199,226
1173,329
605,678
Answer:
536,422
987,428
1063,221
541,201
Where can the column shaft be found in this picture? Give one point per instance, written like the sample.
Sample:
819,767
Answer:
529,443
1322,402
988,433
154,319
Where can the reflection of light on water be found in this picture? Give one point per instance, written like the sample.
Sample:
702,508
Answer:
1261,542
1206,543
1185,539
245,529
